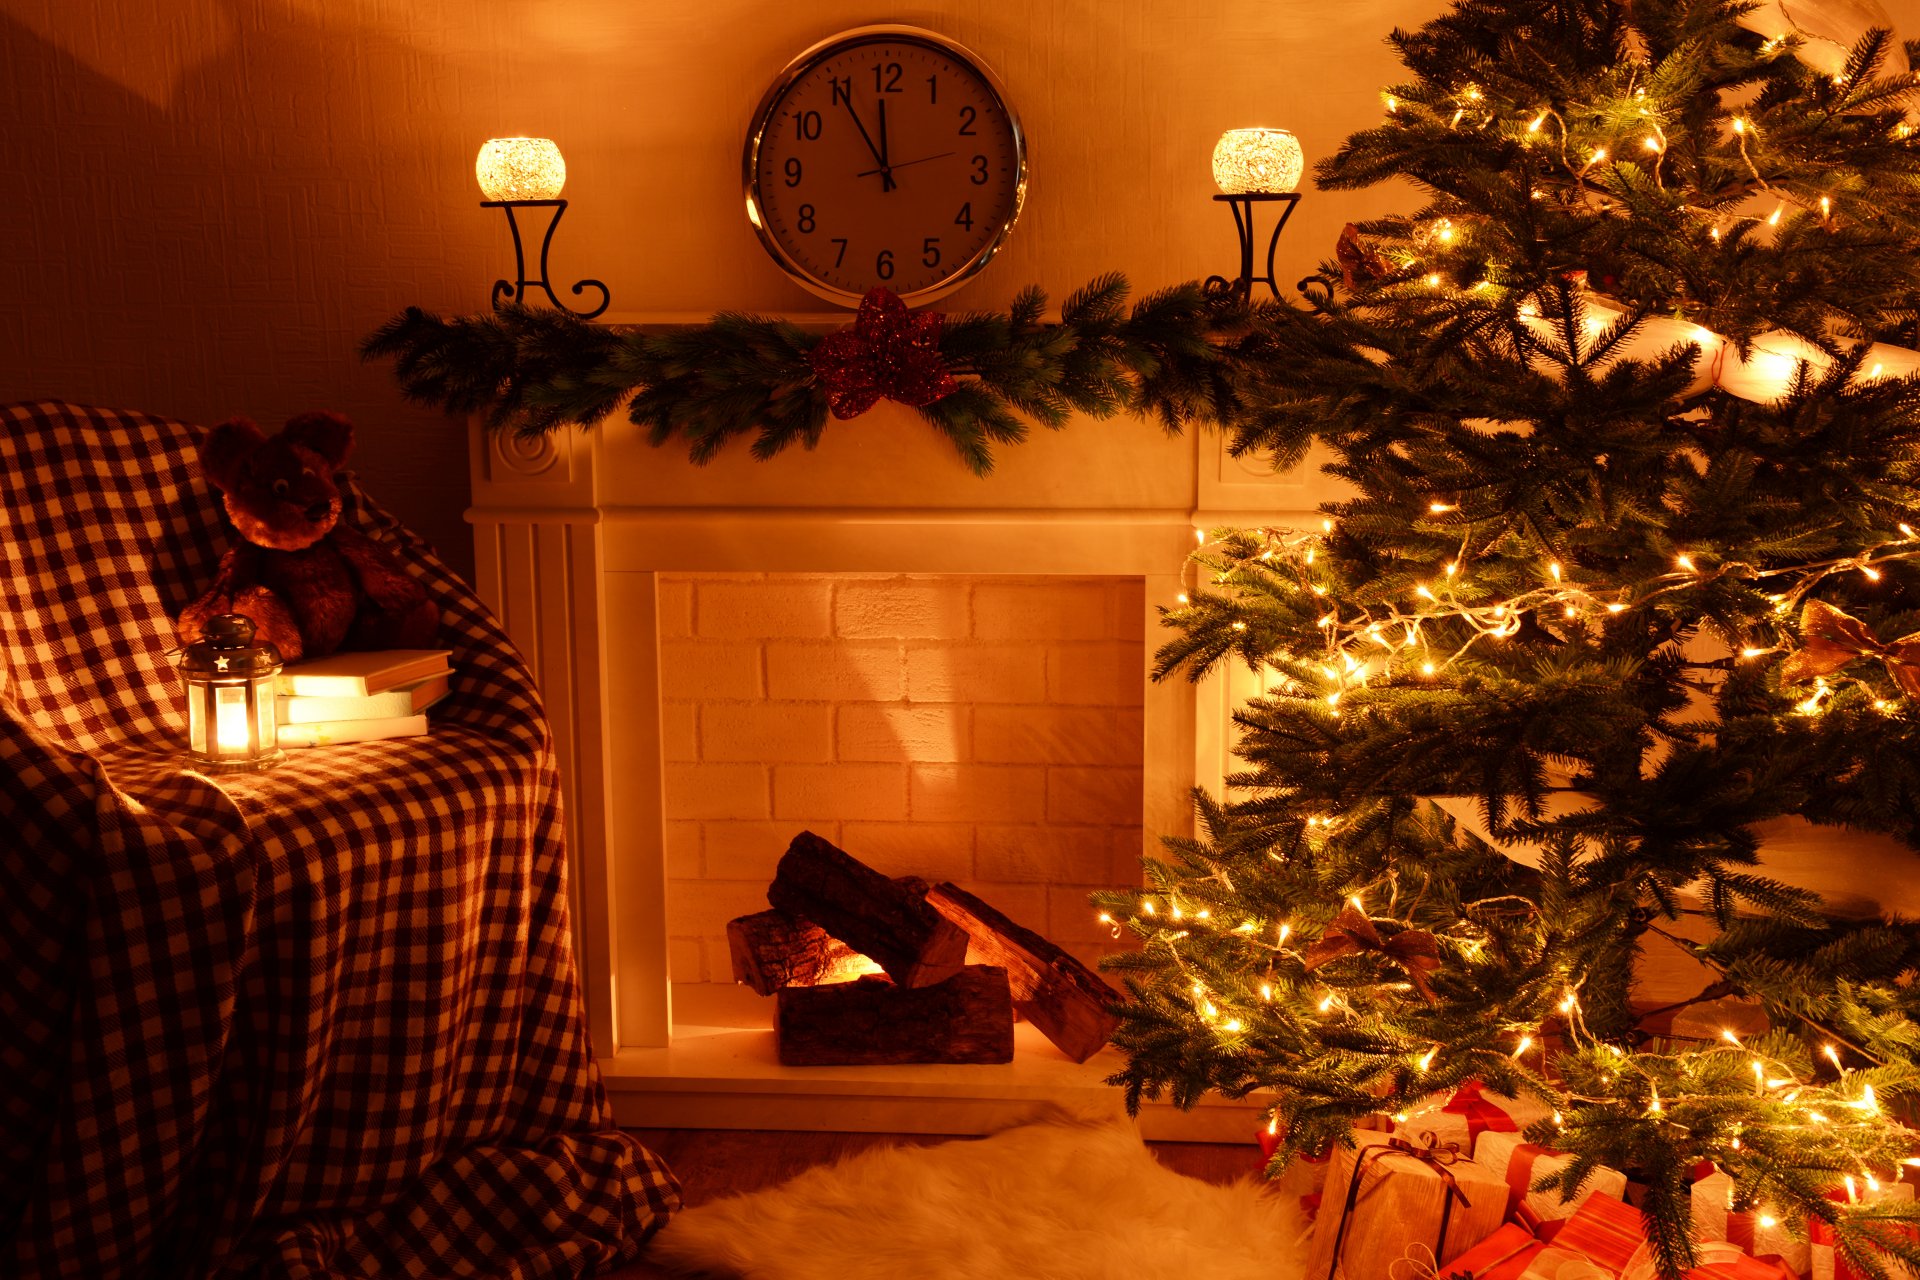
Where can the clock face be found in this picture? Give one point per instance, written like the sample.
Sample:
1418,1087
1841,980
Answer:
886,156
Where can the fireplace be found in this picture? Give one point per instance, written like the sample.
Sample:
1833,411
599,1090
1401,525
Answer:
947,674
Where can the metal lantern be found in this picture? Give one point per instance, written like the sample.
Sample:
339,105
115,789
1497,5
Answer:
231,726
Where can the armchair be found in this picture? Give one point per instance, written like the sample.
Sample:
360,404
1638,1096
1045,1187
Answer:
320,1021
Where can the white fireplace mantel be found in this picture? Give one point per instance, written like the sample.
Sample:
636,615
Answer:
572,532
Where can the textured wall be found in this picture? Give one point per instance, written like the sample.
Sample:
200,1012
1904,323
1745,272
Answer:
984,730
207,202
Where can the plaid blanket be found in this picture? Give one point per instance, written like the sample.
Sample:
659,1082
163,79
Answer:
316,1022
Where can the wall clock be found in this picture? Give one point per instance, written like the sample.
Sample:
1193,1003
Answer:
885,155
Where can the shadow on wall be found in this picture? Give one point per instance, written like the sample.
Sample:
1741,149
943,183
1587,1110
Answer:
205,215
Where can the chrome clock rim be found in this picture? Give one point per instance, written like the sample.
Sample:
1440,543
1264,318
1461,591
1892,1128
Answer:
805,62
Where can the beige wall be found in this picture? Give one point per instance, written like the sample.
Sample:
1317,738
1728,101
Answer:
204,204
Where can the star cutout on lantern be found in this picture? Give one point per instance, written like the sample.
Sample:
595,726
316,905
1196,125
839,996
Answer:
889,352
220,664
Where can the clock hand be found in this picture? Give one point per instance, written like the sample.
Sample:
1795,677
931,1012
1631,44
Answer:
886,175
867,173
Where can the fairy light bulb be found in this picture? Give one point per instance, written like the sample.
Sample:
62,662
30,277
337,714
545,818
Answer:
1599,154
1539,121
1685,562
520,169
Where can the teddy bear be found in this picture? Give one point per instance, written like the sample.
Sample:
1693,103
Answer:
309,584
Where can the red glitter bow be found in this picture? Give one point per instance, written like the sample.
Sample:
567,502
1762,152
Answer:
889,351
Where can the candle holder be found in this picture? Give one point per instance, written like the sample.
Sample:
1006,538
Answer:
528,173
1242,205
1255,166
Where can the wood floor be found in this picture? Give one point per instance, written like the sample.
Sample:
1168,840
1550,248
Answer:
712,1163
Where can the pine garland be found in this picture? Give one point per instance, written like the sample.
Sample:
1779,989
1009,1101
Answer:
1182,356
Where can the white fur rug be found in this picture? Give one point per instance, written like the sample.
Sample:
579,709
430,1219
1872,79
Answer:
1062,1199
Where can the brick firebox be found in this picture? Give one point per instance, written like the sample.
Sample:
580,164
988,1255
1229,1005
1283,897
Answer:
980,729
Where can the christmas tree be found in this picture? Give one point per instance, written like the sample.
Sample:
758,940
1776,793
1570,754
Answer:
1631,418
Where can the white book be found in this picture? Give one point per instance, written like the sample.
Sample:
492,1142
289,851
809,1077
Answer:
407,700
327,732
355,675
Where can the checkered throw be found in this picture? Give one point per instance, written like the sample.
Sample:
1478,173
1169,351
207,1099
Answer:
316,1022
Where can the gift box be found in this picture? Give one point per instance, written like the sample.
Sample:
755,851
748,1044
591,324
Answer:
1754,1231
1387,1194
1609,1233
1522,1164
1504,1255
1826,1260
1470,1112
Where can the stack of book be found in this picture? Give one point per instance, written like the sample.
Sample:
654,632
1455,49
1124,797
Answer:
360,697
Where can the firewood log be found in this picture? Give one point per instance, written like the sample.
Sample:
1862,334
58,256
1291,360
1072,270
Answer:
771,950
1066,1002
886,920
873,1022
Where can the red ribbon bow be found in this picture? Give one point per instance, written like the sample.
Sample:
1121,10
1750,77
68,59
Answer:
889,351
1351,933
1830,639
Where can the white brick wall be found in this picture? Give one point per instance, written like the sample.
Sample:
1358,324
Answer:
984,730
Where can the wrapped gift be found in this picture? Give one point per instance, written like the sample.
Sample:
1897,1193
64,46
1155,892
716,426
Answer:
1607,1232
1470,1112
1826,1260
1389,1193
1504,1255
1522,1164
1759,1234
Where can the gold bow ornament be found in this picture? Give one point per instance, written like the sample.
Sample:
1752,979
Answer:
1830,639
1352,933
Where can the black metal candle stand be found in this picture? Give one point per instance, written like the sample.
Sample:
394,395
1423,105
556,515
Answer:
1242,205
515,290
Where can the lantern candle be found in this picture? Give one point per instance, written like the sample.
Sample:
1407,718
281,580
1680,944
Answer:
231,721
520,169
1257,161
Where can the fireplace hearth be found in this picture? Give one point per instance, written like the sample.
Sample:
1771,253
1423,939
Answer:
1062,760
